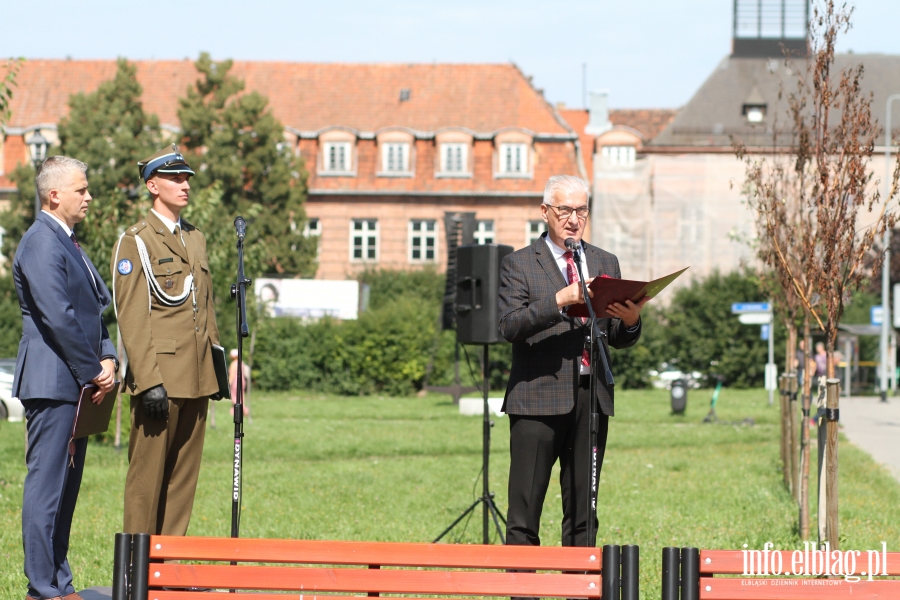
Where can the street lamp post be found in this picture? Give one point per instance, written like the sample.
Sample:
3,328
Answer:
38,146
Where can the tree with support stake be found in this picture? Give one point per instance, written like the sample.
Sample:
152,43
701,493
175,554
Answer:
817,200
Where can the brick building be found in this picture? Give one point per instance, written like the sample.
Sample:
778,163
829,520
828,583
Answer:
667,184
388,147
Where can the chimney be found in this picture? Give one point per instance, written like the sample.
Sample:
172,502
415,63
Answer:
599,113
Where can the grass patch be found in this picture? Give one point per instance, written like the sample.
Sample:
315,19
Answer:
401,469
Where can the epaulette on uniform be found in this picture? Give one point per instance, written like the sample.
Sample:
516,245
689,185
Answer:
133,230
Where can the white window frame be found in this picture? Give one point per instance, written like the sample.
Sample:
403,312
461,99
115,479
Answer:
309,230
461,160
618,156
327,167
370,240
424,235
485,232
389,151
531,234
513,160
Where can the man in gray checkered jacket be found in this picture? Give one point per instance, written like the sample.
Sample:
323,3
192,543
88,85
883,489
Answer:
548,395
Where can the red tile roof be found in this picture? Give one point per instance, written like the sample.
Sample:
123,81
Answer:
310,96
649,122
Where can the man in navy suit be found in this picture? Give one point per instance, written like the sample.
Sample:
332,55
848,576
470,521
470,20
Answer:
64,346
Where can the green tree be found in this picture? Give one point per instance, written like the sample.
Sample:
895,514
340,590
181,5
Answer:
7,83
232,138
109,130
700,329
632,366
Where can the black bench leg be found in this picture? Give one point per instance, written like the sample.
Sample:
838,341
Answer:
611,580
631,572
121,567
140,566
690,574
671,573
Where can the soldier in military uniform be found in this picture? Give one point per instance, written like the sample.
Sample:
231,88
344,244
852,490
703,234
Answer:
164,303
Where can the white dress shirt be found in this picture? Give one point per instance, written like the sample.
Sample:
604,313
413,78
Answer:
559,256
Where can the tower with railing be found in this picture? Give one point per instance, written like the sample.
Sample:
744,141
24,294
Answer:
769,28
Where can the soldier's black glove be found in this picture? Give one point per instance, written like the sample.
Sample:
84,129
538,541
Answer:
156,403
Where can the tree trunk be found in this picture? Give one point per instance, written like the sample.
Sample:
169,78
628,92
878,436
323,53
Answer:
795,421
790,353
831,508
785,445
789,458
804,438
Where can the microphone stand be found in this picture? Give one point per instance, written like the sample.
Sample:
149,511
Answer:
239,293
595,344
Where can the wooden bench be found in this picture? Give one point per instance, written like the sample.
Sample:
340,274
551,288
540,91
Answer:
264,569
762,576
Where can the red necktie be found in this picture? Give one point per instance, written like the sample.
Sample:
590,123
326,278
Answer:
572,274
75,240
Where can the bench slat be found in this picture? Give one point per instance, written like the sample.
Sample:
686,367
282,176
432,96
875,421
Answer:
312,579
796,589
731,562
375,553
223,595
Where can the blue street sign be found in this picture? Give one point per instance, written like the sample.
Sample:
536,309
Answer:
764,332
748,307
876,315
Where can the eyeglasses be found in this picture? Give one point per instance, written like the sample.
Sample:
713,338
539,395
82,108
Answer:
565,212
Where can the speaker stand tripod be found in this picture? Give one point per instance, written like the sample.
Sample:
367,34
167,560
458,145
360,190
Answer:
489,507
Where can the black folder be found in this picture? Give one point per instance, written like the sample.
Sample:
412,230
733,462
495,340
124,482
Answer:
221,365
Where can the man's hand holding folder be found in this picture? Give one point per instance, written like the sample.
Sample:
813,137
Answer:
104,381
621,298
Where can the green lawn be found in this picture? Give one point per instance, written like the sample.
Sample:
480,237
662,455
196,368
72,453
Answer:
401,469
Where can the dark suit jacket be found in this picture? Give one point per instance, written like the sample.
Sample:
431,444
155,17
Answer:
63,333
547,346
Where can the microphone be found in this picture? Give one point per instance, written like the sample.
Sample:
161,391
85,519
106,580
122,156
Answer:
240,225
572,246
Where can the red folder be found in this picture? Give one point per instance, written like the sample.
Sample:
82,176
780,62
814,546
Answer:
609,290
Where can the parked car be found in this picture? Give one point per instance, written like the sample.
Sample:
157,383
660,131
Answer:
10,408
663,379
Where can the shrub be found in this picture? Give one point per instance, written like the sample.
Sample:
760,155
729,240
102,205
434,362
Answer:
388,350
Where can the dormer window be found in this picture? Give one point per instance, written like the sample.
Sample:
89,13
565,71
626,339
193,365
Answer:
755,113
754,107
396,153
336,158
618,156
454,158
395,157
513,159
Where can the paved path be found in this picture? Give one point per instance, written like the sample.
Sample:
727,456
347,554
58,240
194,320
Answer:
97,593
874,426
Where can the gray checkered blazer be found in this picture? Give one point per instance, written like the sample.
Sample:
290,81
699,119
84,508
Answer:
546,344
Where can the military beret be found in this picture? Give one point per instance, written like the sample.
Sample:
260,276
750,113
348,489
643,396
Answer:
167,160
